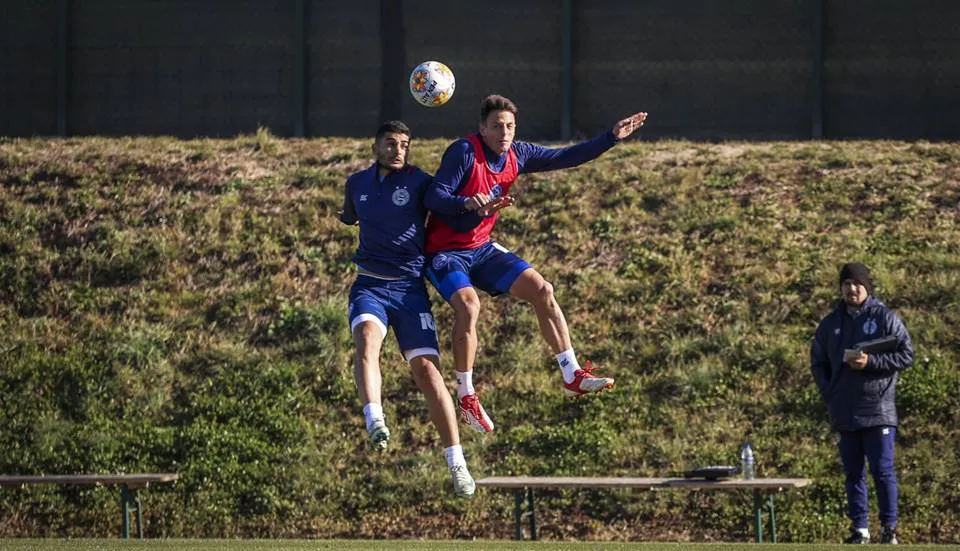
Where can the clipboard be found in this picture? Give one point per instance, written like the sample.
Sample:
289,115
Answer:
876,346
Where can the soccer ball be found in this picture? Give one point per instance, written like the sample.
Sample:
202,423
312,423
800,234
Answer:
432,83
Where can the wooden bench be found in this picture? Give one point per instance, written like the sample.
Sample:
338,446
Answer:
130,485
526,484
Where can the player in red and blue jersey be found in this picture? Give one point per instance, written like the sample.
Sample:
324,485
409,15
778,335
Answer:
475,172
386,200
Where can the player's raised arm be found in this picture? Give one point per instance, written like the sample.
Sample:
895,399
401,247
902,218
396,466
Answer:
536,158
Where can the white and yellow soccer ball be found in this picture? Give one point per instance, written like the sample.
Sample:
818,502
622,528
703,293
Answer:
432,83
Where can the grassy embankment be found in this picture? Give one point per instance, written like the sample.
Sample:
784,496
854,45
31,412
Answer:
180,306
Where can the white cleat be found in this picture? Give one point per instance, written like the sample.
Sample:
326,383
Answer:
379,435
463,484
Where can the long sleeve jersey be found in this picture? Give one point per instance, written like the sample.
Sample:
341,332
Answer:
452,187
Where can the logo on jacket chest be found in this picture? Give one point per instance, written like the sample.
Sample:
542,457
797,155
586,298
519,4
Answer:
400,196
870,327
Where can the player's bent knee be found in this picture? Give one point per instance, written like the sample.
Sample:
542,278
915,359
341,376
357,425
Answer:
423,362
545,293
424,366
368,326
467,307
367,332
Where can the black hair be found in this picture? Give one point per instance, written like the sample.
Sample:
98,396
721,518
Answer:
397,127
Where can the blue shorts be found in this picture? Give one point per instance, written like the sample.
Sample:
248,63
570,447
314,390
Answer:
403,305
490,267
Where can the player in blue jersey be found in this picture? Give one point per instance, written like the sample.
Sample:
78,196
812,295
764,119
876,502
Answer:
463,255
386,200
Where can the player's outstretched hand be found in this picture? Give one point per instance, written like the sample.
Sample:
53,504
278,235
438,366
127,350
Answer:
496,205
629,125
478,201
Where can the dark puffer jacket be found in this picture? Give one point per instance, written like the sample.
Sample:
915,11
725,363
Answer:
859,399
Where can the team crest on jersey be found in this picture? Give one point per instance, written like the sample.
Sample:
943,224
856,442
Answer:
496,191
870,326
439,261
401,197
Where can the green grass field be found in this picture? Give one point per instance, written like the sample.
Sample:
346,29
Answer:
180,306
381,545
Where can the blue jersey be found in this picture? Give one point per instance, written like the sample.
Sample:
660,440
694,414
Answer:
457,163
391,217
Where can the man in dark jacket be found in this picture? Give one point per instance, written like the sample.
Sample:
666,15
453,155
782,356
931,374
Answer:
859,389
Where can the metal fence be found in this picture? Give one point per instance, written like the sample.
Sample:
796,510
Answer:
704,69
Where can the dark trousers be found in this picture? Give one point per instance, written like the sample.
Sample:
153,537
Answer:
875,445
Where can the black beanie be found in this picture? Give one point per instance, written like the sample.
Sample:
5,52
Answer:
858,272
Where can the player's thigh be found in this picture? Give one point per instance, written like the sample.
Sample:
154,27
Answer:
449,272
413,324
368,308
529,286
497,270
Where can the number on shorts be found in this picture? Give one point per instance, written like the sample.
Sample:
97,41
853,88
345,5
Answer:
426,322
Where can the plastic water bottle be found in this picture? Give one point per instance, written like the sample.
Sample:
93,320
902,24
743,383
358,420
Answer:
747,464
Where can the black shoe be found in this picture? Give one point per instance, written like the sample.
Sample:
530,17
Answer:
889,535
857,537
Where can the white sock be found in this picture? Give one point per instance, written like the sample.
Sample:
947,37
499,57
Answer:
372,413
568,364
454,455
864,532
465,384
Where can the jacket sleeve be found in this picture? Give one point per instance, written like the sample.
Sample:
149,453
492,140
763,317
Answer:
820,361
348,214
895,360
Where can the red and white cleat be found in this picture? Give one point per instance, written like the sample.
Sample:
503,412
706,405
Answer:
474,414
585,382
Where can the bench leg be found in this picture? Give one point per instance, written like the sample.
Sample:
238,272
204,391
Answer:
757,516
773,519
130,502
517,514
533,515
761,505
